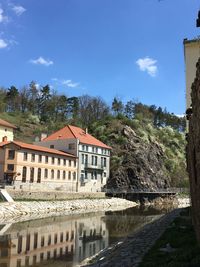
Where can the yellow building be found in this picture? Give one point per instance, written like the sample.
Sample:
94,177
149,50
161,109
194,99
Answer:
6,131
34,167
192,54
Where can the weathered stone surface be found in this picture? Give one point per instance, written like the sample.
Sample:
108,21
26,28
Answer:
193,151
142,167
21,211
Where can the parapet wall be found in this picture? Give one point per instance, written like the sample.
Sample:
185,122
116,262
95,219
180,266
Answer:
18,194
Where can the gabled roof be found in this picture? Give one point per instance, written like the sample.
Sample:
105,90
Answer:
70,131
37,148
7,124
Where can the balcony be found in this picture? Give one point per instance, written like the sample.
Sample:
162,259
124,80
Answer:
93,167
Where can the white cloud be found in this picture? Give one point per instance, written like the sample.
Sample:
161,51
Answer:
19,10
2,17
148,64
42,61
3,44
180,115
69,83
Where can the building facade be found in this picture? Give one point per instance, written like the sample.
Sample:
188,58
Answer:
192,54
93,155
30,167
6,131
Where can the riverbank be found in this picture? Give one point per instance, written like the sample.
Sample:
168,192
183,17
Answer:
22,211
130,251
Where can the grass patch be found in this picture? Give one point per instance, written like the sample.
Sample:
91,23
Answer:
181,237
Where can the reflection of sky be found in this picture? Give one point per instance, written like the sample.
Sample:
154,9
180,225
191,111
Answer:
60,240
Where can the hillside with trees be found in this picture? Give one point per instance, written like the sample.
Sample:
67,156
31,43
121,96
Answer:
148,142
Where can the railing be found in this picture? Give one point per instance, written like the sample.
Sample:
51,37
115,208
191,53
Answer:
149,191
95,167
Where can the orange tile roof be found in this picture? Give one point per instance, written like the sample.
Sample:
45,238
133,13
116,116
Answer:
7,124
70,131
37,148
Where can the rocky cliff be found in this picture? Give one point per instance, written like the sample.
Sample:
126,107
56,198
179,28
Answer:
143,156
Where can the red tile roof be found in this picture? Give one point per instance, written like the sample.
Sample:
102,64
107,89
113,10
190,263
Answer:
7,124
70,131
37,148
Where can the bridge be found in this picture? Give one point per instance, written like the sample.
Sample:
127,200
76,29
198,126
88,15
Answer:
141,195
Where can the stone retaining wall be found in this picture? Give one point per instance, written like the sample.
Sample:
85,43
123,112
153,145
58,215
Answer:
22,211
51,195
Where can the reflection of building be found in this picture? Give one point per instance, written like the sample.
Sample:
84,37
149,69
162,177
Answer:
6,131
192,54
28,165
92,237
93,155
31,245
70,239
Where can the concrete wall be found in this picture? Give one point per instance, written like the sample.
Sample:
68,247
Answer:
8,132
192,54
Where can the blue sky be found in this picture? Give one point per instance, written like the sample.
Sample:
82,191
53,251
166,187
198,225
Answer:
132,49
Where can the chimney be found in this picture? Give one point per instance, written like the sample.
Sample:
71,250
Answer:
4,139
43,136
86,130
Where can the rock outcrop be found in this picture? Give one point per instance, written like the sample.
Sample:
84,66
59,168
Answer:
142,166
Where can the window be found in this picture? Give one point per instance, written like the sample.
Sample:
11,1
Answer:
46,159
10,167
74,163
70,163
25,156
31,175
24,171
11,154
55,239
86,174
52,160
86,159
28,240
49,240
52,146
58,161
40,158
58,174
46,173
19,248
32,157
64,175
67,236
39,176
95,175
74,175
83,147
71,146
61,237
104,162
69,175
82,158
95,160
72,235
64,162
86,148
104,174
42,241
52,174
35,240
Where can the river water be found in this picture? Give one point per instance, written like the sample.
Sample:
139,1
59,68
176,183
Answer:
68,240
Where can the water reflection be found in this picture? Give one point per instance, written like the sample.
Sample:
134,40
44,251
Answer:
66,241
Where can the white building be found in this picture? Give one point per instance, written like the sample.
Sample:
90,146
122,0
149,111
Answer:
192,54
6,131
93,155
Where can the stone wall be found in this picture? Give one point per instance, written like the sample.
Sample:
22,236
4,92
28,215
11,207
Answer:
193,150
22,211
51,195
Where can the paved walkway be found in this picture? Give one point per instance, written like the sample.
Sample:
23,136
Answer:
130,252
